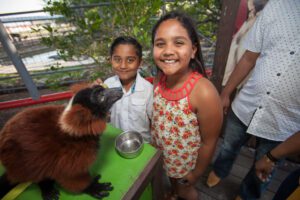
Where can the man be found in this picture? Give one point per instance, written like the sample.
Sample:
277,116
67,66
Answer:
268,105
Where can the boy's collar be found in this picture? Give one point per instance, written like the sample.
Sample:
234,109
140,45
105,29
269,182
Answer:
138,86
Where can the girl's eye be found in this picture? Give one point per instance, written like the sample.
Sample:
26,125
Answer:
130,60
179,43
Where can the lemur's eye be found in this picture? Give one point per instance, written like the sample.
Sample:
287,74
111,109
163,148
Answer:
102,99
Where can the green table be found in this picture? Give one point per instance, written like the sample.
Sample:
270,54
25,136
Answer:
129,177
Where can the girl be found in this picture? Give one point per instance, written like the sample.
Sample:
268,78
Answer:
134,110
187,112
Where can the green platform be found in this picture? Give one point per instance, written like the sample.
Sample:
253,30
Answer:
121,172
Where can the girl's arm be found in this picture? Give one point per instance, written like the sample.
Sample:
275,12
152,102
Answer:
206,103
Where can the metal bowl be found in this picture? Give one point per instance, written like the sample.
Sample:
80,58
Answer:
129,144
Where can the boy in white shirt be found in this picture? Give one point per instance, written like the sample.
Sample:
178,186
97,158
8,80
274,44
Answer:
133,111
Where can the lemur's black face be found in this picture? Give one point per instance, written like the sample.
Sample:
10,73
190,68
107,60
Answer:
98,99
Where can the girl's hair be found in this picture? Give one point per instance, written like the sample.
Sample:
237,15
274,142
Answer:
126,40
197,63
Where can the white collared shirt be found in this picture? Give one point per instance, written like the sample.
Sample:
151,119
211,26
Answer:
134,110
269,102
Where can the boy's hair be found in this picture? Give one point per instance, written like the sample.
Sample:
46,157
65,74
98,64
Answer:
197,63
126,40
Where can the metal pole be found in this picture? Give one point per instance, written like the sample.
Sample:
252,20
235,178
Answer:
163,8
12,52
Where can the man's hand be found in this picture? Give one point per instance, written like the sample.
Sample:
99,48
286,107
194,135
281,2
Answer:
263,168
225,99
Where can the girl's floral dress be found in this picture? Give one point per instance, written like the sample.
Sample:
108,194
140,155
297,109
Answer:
175,128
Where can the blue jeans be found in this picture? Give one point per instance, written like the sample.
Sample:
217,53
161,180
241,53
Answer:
288,186
235,137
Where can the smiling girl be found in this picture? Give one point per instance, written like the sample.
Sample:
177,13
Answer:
187,112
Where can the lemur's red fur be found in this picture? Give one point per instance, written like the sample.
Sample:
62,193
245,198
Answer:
40,143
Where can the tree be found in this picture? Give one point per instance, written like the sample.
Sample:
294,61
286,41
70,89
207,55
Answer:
92,25
206,14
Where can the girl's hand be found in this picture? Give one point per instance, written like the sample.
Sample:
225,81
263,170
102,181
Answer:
153,144
190,179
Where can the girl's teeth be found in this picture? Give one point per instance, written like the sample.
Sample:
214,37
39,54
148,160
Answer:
169,61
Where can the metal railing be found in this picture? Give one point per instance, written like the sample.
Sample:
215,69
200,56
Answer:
41,60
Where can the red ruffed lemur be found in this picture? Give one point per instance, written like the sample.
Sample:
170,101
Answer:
54,143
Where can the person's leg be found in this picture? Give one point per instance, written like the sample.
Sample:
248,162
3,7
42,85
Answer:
235,137
171,193
186,192
252,186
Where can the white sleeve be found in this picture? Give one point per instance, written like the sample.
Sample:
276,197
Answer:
111,82
107,82
255,37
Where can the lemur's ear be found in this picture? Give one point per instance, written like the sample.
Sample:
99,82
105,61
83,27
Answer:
79,121
79,86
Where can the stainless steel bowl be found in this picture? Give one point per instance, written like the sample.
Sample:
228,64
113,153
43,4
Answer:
129,144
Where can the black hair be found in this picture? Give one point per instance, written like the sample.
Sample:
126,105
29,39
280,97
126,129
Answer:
126,40
259,5
197,63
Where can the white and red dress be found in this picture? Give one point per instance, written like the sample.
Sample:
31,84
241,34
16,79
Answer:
175,128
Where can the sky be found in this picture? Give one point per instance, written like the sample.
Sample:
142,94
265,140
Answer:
10,6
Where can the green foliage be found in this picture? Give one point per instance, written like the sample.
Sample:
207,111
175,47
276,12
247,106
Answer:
96,75
89,30
206,14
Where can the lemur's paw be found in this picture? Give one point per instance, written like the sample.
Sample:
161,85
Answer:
49,192
98,190
51,195
5,185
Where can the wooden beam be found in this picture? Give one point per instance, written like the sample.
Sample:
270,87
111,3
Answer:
224,37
